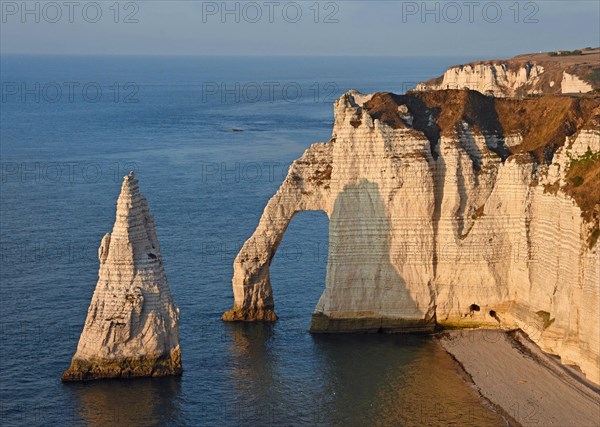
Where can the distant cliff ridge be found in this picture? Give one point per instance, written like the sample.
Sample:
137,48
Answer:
448,209
531,74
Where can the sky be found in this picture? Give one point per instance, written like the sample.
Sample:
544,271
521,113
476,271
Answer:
307,28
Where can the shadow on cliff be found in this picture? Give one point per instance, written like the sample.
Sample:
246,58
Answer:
479,112
426,121
362,280
443,112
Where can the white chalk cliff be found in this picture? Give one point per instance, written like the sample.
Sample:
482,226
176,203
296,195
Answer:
491,78
132,325
573,84
447,209
532,74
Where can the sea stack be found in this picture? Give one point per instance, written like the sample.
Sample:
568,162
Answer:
132,325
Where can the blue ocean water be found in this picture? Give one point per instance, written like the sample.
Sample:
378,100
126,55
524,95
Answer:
210,139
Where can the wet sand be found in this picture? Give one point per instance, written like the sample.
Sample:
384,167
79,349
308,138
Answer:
527,386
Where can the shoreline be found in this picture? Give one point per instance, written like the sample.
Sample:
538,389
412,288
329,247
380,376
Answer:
523,384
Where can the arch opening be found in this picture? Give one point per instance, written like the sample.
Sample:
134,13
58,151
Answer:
298,268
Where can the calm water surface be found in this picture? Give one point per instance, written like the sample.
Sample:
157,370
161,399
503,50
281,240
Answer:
63,157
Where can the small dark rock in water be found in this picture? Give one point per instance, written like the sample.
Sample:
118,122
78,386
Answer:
235,130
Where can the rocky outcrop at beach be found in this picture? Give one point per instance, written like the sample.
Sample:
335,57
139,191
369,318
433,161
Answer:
530,74
448,209
132,325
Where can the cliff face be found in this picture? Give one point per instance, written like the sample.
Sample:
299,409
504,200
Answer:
448,209
132,325
532,74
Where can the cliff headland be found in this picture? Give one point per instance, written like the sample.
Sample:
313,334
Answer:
448,209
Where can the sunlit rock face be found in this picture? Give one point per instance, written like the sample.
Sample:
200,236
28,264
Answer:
132,325
573,84
448,209
497,79
523,75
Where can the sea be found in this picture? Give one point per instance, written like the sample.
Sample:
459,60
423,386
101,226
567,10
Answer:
210,139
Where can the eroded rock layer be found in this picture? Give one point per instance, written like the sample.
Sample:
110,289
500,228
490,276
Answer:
448,209
132,325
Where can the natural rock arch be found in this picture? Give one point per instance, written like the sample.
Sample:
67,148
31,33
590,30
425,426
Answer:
358,179
306,187
467,219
